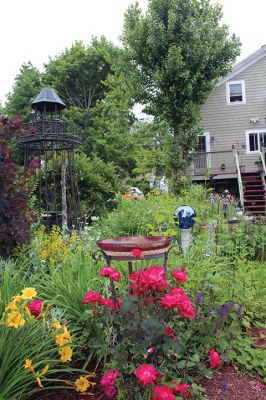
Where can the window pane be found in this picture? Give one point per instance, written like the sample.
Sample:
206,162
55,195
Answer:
235,92
263,139
202,143
253,142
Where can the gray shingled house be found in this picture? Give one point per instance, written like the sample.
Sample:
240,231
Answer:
232,147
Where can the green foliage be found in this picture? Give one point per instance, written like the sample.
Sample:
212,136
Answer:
109,134
26,87
180,48
99,185
78,74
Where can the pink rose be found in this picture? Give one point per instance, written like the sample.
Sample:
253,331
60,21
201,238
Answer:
110,391
163,393
91,297
109,378
215,359
35,307
111,273
180,274
151,350
147,374
107,303
184,389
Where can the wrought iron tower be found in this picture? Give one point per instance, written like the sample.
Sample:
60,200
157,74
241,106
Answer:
48,144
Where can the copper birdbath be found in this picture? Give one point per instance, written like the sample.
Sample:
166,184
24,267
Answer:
134,248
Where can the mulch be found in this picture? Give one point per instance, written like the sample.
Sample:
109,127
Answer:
229,383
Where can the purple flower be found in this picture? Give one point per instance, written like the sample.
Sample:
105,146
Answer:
224,388
223,311
200,317
228,306
198,299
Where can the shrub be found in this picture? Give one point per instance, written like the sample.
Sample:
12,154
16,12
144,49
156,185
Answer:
14,225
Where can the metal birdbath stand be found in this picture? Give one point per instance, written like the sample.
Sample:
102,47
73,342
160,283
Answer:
134,248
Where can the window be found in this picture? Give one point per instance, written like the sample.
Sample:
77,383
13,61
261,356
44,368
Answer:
201,143
255,140
235,92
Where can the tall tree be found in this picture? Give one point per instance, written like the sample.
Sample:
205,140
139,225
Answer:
78,75
26,87
112,117
180,48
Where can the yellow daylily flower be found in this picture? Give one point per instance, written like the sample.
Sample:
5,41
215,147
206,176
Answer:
66,354
28,365
17,298
82,384
56,325
28,293
63,338
45,370
11,306
15,319
39,381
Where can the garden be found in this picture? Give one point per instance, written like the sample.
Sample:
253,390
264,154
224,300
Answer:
161,334
78,320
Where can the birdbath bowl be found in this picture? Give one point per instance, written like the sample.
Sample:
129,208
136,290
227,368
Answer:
135,247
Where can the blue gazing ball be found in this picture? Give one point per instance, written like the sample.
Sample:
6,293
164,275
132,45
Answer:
185,216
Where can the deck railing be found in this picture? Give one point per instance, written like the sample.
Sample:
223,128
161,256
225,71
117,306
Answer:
216,162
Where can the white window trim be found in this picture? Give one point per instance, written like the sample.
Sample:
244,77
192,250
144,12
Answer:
242,82
208,147
256,131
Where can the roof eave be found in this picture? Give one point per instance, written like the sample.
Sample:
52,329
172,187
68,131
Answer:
244,64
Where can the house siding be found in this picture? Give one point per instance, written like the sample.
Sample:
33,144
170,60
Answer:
227,124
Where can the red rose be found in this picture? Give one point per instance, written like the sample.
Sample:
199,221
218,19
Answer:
111,273
147,374
91,297
107,303
35,307
162,393
137,253
169,332
173,299
215,359
186,309
152,278
184,389
180,274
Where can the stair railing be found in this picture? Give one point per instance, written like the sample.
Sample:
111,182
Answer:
263,175
240,184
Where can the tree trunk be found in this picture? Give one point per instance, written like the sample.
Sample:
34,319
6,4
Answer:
64,201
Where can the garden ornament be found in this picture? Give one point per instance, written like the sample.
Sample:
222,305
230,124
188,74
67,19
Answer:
185,215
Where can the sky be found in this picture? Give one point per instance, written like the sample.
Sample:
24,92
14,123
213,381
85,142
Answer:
33,30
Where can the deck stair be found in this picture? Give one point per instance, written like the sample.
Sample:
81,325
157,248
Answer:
254,194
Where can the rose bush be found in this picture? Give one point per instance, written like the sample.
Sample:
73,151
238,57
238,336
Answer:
142,331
